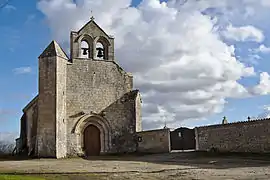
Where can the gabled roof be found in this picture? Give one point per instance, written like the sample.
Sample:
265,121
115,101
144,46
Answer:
53,50
93,22
33,101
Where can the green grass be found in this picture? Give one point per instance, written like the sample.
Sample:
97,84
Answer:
20,177
52,177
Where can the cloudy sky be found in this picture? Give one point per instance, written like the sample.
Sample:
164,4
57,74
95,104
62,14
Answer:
194,61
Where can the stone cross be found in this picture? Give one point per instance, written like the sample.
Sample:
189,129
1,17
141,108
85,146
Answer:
92,17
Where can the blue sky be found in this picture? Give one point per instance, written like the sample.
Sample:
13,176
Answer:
25,33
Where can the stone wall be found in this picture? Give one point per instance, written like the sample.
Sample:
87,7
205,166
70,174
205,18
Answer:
29,126
31,117
93,86
117,124
61,122
250,136
46,131
122,118
23,134
138,110
154,141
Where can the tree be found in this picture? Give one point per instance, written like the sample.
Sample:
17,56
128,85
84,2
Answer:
6,148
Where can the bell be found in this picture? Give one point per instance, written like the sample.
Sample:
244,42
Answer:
99,54
85,51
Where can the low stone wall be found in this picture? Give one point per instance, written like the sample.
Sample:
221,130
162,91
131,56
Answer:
154,141
249,136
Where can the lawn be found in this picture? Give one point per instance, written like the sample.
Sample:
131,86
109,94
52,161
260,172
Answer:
52,177
20,177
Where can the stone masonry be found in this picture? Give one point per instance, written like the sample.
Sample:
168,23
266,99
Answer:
248,136
77,92
154,141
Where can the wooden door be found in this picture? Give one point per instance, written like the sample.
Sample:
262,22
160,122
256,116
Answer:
92,141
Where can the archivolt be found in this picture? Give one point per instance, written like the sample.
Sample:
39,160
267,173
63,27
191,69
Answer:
101,123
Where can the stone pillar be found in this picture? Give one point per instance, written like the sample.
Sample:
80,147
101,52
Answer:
196,139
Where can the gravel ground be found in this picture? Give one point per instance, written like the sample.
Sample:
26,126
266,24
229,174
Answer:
162,166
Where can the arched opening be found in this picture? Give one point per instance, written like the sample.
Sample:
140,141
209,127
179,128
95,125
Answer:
92,145
104,128
100,51
85,49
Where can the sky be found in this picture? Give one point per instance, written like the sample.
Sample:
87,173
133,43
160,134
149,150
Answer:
194,61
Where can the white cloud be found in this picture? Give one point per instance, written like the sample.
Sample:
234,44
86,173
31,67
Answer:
266,107
244,33
252,59
263,87
8,137
9,8
265,3
30,18
263,49
179,61
22,70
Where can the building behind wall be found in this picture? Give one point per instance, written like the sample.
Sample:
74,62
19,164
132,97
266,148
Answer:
86,104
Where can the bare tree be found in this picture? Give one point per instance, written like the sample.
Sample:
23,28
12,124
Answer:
6,148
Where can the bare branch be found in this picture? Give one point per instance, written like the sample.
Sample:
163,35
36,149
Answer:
6,148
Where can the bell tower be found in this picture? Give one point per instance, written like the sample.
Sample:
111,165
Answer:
91,42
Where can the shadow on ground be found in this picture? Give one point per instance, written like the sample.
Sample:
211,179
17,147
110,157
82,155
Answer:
192,160
204,160
7,157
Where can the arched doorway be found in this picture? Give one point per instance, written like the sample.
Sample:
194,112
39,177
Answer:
92,141
103,126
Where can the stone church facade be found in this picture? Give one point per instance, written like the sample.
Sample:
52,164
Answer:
85,105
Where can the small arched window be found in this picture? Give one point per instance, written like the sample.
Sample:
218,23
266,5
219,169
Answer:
85,49
100,51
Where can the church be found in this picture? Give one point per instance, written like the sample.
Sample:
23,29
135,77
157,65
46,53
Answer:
86,105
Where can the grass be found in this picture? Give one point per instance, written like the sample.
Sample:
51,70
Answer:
52,177
20,177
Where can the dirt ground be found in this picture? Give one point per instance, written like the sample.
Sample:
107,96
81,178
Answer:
163,166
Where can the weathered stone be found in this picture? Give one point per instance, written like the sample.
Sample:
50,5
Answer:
78,92
249,136
154,141
53,50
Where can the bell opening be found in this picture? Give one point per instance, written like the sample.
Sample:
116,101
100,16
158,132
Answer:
100,51
84,50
